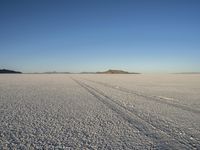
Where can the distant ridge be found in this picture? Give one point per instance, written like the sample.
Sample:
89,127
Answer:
188,73
111,71
87,72
54,72
9,71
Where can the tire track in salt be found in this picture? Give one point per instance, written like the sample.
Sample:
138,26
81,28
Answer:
161,138
173,131
151,98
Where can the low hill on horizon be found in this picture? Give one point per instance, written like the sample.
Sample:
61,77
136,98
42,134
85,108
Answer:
188,73
111,71
55,72
9,71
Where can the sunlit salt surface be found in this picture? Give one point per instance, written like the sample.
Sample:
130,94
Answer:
99,111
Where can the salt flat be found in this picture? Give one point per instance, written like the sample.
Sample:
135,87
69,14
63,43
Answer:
99,111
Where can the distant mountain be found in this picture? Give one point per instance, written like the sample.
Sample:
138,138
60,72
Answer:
54,72
8,71
87,72
110,71
188,73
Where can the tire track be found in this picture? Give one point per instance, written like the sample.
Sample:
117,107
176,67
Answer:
161,138
173,131
151,98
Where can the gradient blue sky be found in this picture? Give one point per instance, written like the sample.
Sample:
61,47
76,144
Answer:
94,35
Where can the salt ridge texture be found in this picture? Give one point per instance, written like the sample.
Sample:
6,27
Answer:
99,112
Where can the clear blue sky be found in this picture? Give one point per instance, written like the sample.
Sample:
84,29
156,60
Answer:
94,35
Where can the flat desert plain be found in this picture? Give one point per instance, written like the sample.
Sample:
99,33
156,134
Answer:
99,111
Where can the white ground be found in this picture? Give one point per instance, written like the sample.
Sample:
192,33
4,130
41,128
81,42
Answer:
100,111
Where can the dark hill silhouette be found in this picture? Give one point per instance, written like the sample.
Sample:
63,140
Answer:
8,71
110,71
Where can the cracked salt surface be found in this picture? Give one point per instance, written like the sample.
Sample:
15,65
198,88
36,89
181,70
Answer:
107,112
